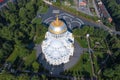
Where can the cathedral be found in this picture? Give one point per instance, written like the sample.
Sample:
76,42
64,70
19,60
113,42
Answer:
57,46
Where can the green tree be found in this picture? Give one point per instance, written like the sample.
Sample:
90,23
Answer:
11,6
6,76
23,77
35,66
22,13
35,78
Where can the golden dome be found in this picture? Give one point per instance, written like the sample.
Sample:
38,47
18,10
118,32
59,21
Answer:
57,23
57,27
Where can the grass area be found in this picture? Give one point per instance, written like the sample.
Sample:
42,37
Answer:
82,42
42,9
39,39
20,51
35,66
36,20
96,35
7,76
13,56
80,36
95,39
98,58
30,58
83,66
40,33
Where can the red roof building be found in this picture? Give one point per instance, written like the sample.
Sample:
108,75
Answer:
1,1
82,3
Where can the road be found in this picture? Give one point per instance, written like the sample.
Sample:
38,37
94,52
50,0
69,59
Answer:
49,15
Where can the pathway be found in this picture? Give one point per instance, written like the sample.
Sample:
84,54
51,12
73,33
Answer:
91,60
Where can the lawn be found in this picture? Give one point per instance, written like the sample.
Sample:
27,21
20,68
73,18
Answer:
80,36
36,20
82,42
19,51
35,66
30,58
42,9
13,56
40,33
98,58
83,67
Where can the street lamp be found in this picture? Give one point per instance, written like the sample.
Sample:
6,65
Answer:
87,36
99,23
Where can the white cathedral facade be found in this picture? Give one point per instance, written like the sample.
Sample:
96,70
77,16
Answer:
58,45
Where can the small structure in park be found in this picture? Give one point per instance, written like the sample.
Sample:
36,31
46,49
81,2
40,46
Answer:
58,47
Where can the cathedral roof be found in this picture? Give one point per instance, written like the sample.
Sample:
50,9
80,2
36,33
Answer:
57,27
